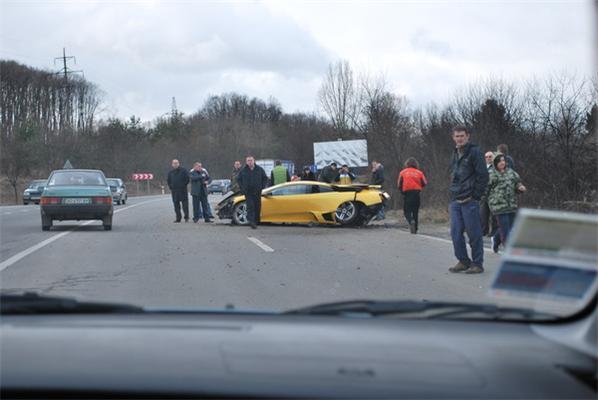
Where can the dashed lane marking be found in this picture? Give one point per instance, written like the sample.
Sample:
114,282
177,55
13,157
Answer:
260,244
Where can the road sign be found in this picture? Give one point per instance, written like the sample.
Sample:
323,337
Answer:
142,177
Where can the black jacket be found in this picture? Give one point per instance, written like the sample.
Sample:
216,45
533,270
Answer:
378,176
308,177
469,176
178,179
252,181
329,175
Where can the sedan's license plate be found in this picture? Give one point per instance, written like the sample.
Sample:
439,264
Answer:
83,200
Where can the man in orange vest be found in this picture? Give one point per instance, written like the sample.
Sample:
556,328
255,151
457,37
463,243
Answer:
411,182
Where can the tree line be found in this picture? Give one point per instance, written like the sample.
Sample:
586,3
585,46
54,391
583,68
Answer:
550,125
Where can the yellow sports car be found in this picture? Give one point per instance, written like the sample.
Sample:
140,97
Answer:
309,202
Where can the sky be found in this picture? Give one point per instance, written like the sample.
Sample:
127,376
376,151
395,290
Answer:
143,53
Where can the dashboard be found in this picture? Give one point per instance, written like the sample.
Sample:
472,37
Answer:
247,355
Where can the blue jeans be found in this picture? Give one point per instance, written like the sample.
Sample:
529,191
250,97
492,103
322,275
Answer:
465,217
505,224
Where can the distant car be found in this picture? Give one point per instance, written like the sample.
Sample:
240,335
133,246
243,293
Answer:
76,194
219,186
309,202
34,191
118,189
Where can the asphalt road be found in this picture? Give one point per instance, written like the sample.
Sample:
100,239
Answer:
148,260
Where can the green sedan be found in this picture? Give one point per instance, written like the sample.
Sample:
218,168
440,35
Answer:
76,194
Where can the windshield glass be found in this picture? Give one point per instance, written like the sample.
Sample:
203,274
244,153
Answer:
273,156
77,178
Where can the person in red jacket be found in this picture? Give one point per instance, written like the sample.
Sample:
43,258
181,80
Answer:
411,182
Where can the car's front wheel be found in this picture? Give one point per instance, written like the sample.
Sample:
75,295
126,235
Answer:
347,213
240,213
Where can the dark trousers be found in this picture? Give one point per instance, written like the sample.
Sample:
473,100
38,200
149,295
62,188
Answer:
254,207
179,198
411,203
200,199
465,217
488,221
505,224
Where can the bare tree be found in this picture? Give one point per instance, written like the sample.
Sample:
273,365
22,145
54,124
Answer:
338,97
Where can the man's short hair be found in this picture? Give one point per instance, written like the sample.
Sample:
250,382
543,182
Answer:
503,148
344,165
411,163
277,162
460,128
333,163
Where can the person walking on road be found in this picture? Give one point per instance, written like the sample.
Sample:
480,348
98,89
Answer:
234,184
178,179
378,179
330,173
307,175
488,225
503,187
279,174
199,193
411,182
469,179
346,177
252,179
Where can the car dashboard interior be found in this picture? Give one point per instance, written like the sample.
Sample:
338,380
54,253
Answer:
280,356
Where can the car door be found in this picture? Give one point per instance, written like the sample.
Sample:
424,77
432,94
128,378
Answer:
286,204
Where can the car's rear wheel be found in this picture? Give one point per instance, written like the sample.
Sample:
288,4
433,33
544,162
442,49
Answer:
347,213
240,213
124,200
107,222
46,223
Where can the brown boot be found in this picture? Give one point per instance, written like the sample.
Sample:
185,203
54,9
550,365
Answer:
474,269
459,267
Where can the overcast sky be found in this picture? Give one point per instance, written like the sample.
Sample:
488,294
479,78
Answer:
141,53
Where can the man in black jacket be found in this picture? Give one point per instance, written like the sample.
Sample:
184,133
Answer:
329,173
378,179
252,179
469,179
178,179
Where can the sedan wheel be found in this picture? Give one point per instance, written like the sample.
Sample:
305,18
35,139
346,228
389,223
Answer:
346,213
240,214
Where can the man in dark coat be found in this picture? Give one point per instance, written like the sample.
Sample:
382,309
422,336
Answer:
178,179
307,175
469,179
199,192
378,179
252,179
329,174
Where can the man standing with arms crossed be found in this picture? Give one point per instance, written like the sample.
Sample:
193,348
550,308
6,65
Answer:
178,179
252,179
469,179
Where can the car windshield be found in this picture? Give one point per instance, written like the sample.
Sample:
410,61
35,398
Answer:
272,156
77,178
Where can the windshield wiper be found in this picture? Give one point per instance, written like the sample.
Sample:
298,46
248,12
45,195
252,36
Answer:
433,310
33,303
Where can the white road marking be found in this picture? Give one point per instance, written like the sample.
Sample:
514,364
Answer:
7,263
260,244
443,240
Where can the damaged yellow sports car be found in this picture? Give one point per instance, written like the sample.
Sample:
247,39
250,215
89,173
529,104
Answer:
308,202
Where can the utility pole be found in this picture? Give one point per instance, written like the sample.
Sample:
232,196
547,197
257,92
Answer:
65,109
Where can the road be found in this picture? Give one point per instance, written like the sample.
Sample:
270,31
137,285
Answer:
149,260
